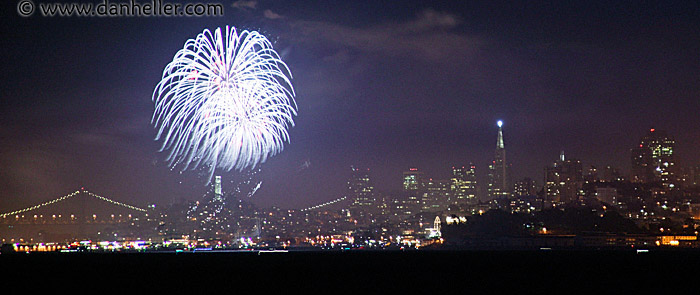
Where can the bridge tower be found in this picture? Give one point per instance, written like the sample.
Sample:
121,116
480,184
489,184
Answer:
82,218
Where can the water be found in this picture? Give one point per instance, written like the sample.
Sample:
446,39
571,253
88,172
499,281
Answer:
531,272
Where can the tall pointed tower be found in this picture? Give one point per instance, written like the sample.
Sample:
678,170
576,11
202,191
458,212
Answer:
499,186
218,196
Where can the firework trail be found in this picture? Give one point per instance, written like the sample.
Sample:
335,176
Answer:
225,101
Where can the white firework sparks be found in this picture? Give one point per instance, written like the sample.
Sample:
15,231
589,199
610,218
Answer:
225,101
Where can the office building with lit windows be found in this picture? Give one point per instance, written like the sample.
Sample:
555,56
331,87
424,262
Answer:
653,159
563,181
524,187
413,181
361,191
463,185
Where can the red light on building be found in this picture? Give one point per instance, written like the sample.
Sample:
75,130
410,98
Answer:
652,129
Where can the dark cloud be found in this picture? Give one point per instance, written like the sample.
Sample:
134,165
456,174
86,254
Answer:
245,5
430,37
271,15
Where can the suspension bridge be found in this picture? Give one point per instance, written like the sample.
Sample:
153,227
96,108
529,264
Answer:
36,214
325,204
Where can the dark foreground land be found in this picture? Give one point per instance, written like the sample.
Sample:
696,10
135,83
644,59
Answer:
492,272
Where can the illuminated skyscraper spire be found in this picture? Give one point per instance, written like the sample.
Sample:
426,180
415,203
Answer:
499,142
499,184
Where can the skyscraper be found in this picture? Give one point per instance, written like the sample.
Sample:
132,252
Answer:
498,186
413,181
361,191
436,196
463,184
689,176
524,187
360,188
563,180
653,160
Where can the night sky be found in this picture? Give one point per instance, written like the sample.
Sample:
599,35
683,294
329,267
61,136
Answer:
383,85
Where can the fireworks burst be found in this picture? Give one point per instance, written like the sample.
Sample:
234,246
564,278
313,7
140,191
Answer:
225,101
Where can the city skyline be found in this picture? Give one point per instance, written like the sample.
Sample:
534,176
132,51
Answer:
657,203
380,86
416,180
